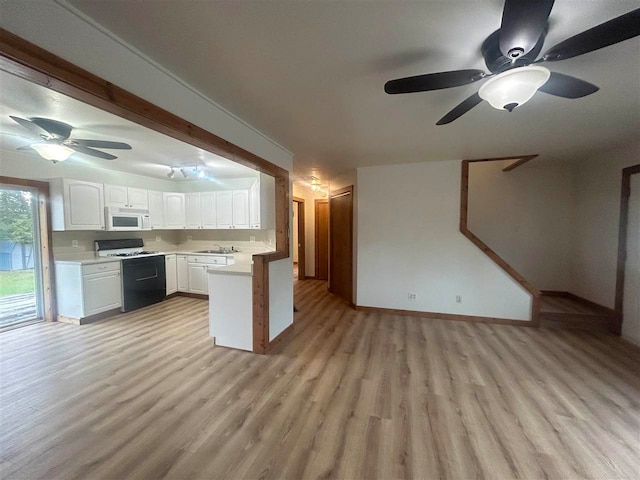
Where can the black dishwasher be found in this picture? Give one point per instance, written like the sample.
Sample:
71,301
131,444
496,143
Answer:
143,281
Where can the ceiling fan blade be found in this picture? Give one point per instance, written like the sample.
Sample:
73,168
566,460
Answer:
92,152
523,22
32,127
608,33
567,87
102,144
54,128
433,81
461,109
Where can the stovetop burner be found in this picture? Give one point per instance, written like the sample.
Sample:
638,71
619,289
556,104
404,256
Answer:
132,254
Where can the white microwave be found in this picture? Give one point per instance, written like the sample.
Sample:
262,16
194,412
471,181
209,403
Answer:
124,219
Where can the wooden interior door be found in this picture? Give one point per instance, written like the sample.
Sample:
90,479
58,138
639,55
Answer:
322,239
341,243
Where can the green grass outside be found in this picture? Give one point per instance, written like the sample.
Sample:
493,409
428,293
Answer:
19,281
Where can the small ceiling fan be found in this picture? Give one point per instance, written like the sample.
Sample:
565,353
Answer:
56,144
510,55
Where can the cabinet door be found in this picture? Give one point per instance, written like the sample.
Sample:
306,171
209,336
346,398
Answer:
101,292
156,209
115,196
83,205
224,206
208,208
198,278
183,273
138,198
254,205
171,270
193,214
174,210
240,209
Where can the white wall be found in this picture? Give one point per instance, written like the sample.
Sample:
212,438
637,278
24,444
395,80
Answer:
526,217
597,219
409,241
62,31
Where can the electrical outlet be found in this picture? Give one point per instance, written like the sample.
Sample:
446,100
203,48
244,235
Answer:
189,238
74,243
252,238
412,296
458,298
158,238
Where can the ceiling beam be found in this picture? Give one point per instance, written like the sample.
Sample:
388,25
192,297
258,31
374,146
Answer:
519,162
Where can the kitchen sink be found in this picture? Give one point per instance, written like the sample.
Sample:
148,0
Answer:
225,251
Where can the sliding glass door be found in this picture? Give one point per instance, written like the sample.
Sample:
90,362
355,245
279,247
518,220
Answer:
21,299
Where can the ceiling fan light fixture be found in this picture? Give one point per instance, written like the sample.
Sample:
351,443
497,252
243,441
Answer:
184,173
514,87
53,151
171,174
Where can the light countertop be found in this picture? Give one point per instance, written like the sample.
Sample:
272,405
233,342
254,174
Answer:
238,268
87,258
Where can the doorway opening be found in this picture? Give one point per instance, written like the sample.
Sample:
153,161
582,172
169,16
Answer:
627,303
24,246
299,252
322,239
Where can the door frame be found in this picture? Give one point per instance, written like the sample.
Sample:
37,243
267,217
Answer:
49,313
317,202
625,193
301,239
334,194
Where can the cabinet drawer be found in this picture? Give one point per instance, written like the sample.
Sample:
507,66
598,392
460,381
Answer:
101,268
208,259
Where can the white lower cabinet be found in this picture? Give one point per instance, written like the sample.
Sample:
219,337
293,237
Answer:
198,278
88,289
171,270
183,273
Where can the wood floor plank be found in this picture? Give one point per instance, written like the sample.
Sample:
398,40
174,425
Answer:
349,395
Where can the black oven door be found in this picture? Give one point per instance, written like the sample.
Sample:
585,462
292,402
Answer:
143,282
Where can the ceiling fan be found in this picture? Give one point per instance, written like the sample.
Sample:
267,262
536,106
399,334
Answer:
56,144
510,54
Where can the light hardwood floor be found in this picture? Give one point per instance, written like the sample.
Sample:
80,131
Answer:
352,395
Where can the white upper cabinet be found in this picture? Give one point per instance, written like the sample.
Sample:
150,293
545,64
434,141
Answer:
174,210
156,209
224,206
193,213
77,205
254,205
138,198
240,209
125,197
208,209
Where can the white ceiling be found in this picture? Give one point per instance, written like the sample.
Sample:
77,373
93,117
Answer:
152,152
310,75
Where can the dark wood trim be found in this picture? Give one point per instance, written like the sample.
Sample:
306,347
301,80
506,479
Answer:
625,193
260,305
30,62
316,217
348,190
302,244
310,277
464,212
49,311
517,163
200,296
449,316
280,337
554,293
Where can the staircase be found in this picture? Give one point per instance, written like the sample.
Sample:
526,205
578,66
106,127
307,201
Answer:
564,310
